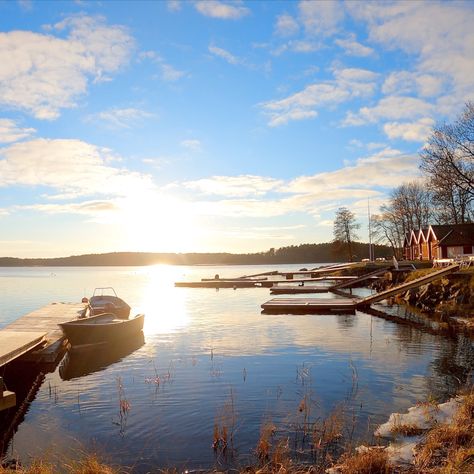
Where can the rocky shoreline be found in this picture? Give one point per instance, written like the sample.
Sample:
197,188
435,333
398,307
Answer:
450,299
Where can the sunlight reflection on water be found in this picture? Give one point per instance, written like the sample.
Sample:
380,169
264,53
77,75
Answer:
202,345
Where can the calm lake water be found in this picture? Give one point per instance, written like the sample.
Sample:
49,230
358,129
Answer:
210,357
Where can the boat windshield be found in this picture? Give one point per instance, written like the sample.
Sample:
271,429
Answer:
105,291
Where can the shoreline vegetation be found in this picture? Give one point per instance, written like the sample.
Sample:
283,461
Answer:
430,438
304,253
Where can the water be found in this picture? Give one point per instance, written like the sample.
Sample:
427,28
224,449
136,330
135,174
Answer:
210,357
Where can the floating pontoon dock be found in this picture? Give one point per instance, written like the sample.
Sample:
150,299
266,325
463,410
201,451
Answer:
321,305
309,305
249,283
366,276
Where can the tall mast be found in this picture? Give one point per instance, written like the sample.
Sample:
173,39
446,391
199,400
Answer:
371,257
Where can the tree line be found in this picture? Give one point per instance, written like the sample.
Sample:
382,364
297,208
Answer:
304,253
444,194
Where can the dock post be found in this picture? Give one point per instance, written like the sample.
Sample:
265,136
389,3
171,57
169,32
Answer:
7,399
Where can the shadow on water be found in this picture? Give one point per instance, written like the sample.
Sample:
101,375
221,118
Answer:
85,361
26,379
453,367
25,387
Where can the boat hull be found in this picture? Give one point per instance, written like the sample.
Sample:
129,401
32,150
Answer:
101,328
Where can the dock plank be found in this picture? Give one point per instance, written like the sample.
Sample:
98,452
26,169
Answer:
14,344
295,289
309,305
46,320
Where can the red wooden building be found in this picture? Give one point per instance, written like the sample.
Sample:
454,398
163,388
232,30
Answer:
439,241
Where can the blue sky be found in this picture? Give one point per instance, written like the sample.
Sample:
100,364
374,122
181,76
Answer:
215,125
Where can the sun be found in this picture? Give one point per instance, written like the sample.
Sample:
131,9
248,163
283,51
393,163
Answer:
157,223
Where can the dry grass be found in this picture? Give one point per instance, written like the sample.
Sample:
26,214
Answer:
88,465
329,430
449,448
406,429
264,444
372,461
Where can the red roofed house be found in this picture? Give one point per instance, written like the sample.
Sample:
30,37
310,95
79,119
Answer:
439,241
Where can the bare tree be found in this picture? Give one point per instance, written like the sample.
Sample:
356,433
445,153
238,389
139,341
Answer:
409,208
386,229
411,202
448,163
345,227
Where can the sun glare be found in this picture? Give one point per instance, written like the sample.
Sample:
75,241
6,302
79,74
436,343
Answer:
157,223
165,310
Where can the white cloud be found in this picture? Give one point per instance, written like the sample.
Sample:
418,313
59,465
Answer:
353,48
439,34
386,168
393,108
286,25
347,84
174,5
321,18
11,132
282,118
235,186
222,53
121,118
191,144
297,46
412,131
44,73
168,72
71,168
221,10
406,82
248,196
26,5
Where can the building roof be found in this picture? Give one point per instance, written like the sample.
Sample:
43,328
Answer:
456,234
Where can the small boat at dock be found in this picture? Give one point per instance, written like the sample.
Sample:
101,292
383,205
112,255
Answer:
101,328
105,300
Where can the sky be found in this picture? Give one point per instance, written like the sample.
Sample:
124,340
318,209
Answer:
207,126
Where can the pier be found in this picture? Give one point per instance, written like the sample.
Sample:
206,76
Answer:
254,283
406,286
328,305
36,336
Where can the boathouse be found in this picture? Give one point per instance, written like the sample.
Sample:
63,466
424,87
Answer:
439,241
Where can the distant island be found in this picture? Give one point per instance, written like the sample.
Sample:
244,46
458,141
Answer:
304,253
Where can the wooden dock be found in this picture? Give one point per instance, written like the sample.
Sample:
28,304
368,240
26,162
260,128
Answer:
327,305
296,289
309,305
242,283
37,336
406,286
366,276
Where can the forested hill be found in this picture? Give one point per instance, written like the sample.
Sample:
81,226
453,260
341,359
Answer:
305,253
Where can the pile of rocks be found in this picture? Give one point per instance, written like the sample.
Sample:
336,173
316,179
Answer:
443,295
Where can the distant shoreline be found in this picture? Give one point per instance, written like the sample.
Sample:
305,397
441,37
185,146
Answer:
316,253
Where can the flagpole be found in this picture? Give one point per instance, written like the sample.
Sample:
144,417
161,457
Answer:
370,231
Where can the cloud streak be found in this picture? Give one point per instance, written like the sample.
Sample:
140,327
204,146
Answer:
347,84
